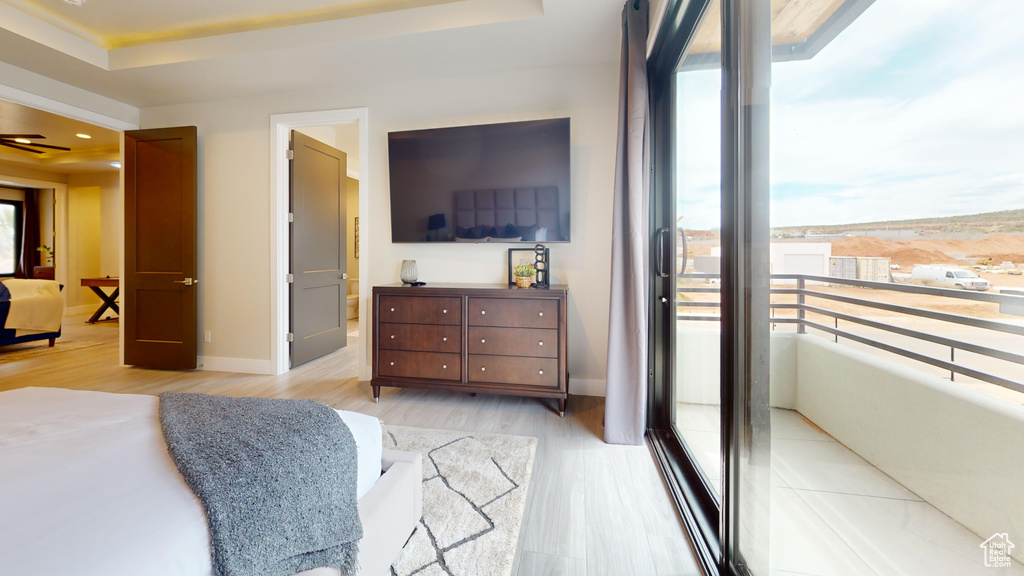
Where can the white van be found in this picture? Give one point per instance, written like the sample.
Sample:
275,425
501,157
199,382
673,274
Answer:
948,277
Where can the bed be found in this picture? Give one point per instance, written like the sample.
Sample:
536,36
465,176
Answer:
54,308
87,488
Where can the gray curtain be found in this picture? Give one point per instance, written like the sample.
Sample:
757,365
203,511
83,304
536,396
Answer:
626,396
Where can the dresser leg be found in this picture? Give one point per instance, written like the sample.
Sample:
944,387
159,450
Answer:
561,407
376,394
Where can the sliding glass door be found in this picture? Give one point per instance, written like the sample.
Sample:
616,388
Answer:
709,415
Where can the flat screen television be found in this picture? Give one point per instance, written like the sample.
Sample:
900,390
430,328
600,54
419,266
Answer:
505,183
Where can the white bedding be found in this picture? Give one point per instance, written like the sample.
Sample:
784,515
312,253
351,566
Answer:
87,487
36,306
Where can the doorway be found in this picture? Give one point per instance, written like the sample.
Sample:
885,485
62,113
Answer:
354,123
87,179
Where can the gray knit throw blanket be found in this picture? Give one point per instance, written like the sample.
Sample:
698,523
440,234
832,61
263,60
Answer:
276,478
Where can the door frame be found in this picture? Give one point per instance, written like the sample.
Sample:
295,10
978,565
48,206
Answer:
281,126
60,217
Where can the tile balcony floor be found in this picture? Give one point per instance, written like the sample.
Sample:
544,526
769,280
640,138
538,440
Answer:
834,514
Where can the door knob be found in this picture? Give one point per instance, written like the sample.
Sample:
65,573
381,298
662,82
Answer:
186,281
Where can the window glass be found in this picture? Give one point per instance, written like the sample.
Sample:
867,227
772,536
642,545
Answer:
9,240
896,398
698,187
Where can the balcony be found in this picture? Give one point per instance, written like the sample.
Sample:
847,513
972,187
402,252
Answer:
897,430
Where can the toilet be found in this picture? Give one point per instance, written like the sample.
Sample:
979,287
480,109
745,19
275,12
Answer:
352,303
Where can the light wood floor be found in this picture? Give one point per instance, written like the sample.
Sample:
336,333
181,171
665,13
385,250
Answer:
593,509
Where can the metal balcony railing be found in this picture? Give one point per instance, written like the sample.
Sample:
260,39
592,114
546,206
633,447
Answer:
807,303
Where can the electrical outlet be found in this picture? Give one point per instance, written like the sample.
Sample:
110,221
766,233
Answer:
207,336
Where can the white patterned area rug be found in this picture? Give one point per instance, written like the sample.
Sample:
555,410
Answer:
474,495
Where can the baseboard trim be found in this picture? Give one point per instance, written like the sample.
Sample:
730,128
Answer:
584,387
242,365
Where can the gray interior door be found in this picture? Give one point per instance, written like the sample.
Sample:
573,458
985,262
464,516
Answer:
318,287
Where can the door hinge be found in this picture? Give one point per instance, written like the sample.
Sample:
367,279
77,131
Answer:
289,278
291,337
291,217
652,168
289,154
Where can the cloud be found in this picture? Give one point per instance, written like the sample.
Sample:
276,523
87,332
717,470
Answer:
911,112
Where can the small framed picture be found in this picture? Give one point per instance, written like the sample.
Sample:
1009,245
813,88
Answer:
517,256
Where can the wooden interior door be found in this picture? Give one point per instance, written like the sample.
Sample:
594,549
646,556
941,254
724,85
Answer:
318,319
159,288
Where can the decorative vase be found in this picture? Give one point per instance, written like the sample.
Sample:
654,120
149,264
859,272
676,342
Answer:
409,272
524,281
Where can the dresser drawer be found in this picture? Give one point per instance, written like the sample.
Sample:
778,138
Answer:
537,342
426,365
513,312
539,372
420,337
420,310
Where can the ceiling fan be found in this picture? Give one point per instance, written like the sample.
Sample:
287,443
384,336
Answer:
22,142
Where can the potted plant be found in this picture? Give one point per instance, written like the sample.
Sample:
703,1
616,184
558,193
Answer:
524,275
47,253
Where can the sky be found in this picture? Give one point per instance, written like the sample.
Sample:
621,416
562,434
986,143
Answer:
914,111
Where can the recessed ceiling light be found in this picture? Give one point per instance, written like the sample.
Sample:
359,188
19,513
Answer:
22,140
75,3
115,164
86,136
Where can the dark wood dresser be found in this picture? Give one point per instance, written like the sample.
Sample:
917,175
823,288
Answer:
471,338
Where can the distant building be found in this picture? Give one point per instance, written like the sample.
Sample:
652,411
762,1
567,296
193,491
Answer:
809,258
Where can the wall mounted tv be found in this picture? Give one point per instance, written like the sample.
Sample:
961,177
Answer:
505,183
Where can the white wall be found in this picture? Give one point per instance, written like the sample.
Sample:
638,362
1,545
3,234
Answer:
698,373
958,448
8,170
111,216
83,258
351,213
234,186
94,235
44,203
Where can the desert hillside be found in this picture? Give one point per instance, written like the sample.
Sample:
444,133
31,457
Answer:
1003,222
999,247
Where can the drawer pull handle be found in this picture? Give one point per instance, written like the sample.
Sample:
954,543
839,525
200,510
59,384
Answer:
482,341
444,311
542,372
392,336
445,339
392,309
540,314
540,343
445,366
483,369
392,363
483,311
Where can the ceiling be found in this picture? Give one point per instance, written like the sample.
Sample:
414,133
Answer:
122,24
86,155
151,53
